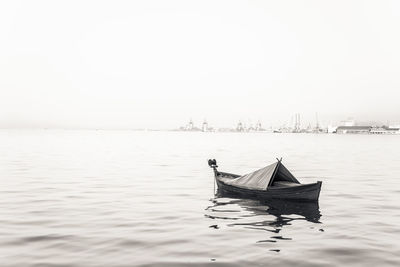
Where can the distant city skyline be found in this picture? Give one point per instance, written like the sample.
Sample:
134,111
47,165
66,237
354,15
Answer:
291,123
349,126
155,64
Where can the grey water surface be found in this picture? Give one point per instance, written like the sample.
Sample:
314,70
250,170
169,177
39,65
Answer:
128,198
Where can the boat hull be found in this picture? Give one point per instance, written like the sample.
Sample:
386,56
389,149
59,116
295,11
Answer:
303,192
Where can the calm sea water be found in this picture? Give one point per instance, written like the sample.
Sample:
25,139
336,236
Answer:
125,198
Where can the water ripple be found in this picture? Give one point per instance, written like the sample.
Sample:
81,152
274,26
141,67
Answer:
124,198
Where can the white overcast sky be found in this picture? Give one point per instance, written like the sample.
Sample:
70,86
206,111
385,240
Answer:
156,64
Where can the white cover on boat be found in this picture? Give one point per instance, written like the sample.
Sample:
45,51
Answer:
258,180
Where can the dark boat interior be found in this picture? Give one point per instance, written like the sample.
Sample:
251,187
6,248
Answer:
283,184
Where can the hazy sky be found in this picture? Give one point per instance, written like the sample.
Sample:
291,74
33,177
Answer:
159,63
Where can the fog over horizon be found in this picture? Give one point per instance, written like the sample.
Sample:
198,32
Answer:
157,64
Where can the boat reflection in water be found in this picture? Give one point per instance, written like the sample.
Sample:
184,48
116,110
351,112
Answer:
267,215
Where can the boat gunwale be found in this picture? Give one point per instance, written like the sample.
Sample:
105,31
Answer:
289,192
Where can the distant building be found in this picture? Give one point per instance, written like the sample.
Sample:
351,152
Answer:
348,123
258,126
297,128
309,128
385,130
332,129
240,127
190,126
353,129
204,128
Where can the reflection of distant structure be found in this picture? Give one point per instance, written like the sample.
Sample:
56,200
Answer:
353,129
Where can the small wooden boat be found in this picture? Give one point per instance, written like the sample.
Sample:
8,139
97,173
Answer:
274,181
